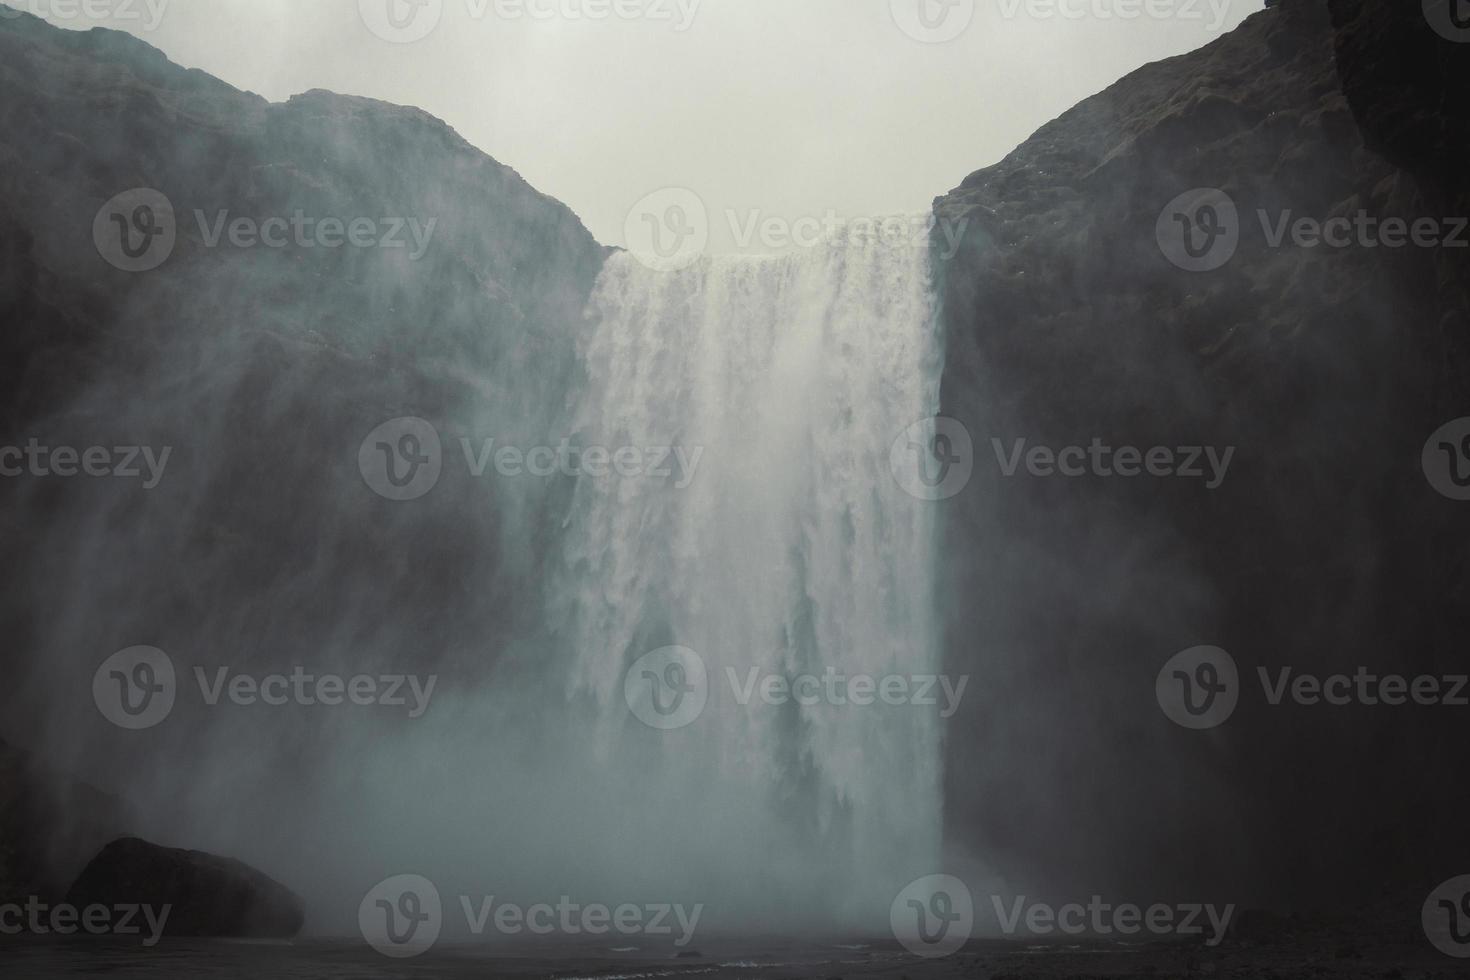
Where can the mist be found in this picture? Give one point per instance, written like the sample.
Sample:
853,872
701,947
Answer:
837,482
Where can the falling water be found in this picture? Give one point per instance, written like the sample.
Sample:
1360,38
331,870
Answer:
793,551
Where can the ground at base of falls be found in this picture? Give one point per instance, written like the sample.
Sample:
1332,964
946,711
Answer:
1320,957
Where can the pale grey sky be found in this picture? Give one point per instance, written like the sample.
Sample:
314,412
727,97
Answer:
788,107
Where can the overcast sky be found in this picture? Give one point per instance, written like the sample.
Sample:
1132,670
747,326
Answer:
789,107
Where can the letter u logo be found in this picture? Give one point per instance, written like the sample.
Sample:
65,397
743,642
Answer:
410,449
941,450
941,905
1207,677
934,13
1459,932
1458,456
410,908
398,19
145,223
676,679
1460,14
1206,223
144,681
676,220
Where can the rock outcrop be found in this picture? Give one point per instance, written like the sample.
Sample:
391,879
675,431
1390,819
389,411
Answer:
205,895
1405,83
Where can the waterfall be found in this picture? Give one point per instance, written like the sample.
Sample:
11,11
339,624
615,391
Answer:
792,551
787,548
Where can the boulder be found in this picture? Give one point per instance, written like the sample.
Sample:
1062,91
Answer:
207,895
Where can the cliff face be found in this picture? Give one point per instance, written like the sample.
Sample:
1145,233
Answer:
1324,549
92,114
1405,85
262,369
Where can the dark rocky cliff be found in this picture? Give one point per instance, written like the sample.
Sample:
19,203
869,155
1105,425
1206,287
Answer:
92,114
264,369
1325,549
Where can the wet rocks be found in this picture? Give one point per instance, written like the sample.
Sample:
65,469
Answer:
206,895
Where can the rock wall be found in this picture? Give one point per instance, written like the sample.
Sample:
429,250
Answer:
263,369
1325,549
